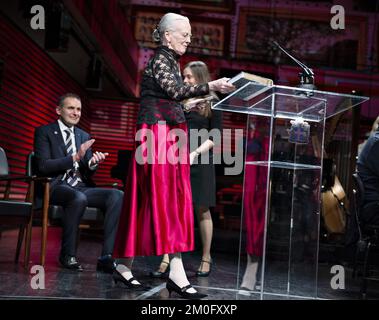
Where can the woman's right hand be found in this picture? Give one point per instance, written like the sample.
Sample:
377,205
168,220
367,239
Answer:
193,156
221,85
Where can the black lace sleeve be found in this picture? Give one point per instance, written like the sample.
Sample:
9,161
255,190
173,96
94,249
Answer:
166,77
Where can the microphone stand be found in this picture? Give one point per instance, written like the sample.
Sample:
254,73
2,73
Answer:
300,130
307,77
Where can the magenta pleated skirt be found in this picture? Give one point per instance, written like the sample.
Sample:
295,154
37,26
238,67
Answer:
157,214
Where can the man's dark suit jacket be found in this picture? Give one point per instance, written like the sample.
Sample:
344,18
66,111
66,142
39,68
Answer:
51,155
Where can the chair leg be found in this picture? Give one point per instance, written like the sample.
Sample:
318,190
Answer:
356,260
366,264
45,215
28,241
355,263
78,238
19,242
43,243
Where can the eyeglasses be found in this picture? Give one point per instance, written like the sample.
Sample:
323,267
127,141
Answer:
184,35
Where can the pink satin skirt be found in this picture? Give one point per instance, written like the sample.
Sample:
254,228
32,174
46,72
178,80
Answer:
157,214
254,208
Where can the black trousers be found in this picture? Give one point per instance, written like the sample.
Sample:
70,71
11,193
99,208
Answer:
74,200
370,213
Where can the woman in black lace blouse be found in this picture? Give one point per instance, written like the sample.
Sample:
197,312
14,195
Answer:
157,216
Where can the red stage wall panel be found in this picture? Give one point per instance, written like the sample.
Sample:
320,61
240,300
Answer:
109,25
113,126
31,84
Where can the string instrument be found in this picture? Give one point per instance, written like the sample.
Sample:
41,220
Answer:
333,208
333,196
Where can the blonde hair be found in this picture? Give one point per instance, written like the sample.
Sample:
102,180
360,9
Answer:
199,71
167,22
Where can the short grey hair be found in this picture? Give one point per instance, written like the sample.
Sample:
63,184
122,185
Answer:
167,22
61,99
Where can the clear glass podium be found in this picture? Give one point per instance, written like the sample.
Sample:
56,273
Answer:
283,159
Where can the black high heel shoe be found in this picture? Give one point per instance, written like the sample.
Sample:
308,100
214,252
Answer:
171,286
160,274
204,273
117,277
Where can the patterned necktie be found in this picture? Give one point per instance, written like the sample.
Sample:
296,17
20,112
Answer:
72,174
68,142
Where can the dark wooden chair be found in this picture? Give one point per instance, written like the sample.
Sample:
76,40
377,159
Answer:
16,213
368,236
93,218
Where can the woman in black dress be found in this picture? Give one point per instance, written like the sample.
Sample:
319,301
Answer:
203,182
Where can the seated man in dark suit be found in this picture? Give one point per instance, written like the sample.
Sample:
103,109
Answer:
368,170
64,153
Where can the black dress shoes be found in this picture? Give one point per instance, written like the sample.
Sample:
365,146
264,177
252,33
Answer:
70,262
159,274
107,265
162,272
204,273
117,277
172,286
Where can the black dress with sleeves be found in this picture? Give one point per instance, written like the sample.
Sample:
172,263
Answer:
203,176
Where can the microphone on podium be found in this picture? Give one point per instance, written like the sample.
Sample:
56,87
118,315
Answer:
307,77
299,131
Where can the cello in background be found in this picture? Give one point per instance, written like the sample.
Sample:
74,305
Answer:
335,205
333,197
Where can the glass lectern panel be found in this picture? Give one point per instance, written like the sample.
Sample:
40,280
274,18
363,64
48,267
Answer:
282,186
253,98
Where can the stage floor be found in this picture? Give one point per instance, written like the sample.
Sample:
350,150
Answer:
16,282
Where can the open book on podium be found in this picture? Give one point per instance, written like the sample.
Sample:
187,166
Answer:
243,78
